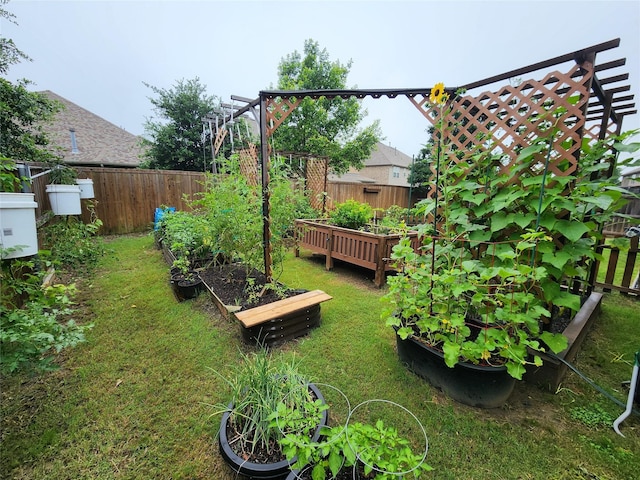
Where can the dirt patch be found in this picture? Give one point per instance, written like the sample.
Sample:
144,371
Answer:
233,284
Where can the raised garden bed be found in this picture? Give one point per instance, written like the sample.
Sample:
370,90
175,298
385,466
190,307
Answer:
365,249
554,367
269,318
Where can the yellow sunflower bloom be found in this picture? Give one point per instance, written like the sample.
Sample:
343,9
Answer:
438,95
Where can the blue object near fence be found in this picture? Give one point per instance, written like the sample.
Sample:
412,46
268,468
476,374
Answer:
159,214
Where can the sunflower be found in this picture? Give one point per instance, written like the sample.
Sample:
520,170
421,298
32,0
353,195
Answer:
438,95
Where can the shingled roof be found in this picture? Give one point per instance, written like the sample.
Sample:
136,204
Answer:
98,142
384,155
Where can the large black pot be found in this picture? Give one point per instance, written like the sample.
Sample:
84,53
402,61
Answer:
474,385
262,470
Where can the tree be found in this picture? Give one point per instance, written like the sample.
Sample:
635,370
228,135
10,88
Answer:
421,176
177,142
9,52
23,113
323,127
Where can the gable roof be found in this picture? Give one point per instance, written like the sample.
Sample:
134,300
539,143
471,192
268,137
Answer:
99,142
350,177
384,155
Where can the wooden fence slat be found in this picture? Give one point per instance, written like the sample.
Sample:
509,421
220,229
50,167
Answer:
627,276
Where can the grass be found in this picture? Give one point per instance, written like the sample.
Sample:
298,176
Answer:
131,403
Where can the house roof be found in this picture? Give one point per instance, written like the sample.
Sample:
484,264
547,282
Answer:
99,142
631,172
384,155
350,177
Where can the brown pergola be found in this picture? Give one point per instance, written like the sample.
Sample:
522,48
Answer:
595,96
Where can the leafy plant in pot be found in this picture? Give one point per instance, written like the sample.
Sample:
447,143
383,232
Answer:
185,282
498,261
354,449
261,385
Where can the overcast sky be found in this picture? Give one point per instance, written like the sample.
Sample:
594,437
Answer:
97,54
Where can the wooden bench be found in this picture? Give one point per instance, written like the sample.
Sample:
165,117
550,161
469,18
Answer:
278,321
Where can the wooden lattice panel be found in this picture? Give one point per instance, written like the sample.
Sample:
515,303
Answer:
316,179
514,116
249,164
219,139
277,110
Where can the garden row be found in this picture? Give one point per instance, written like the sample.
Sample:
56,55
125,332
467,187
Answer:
36,302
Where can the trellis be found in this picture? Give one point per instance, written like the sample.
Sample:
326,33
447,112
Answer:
504,112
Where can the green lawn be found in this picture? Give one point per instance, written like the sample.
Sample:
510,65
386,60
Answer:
132,402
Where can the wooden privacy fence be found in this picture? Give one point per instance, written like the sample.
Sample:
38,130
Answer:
126,199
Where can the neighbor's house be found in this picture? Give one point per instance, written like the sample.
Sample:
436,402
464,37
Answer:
631,180
386,166
85,139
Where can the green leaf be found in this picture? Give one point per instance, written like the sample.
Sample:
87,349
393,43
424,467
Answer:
601,201
499,221
318,472
529,151
627,147
335,462
557,259
567,299
451,353
573,99
524,220
573,231
555,341
515,369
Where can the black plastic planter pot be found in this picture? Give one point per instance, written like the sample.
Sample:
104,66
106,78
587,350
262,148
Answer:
184,289
474,385
261,470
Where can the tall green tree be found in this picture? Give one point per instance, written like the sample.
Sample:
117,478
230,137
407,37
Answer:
23,114
175,141
324,127
421,177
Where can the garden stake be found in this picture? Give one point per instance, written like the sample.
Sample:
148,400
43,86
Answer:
632,391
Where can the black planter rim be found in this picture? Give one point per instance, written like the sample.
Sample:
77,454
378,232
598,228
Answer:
262,470
463,364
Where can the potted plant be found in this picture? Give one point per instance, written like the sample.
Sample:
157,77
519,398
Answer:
63,192
185,282
498,263
247,437
355,449
469,325
18,233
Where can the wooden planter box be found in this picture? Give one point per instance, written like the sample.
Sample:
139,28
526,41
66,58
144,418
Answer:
554,368
275,322
365,249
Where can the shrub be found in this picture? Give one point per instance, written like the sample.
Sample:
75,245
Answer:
351,214
74,245
31,318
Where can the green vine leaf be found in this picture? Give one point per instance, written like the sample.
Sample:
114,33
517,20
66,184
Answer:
555,341
573,231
